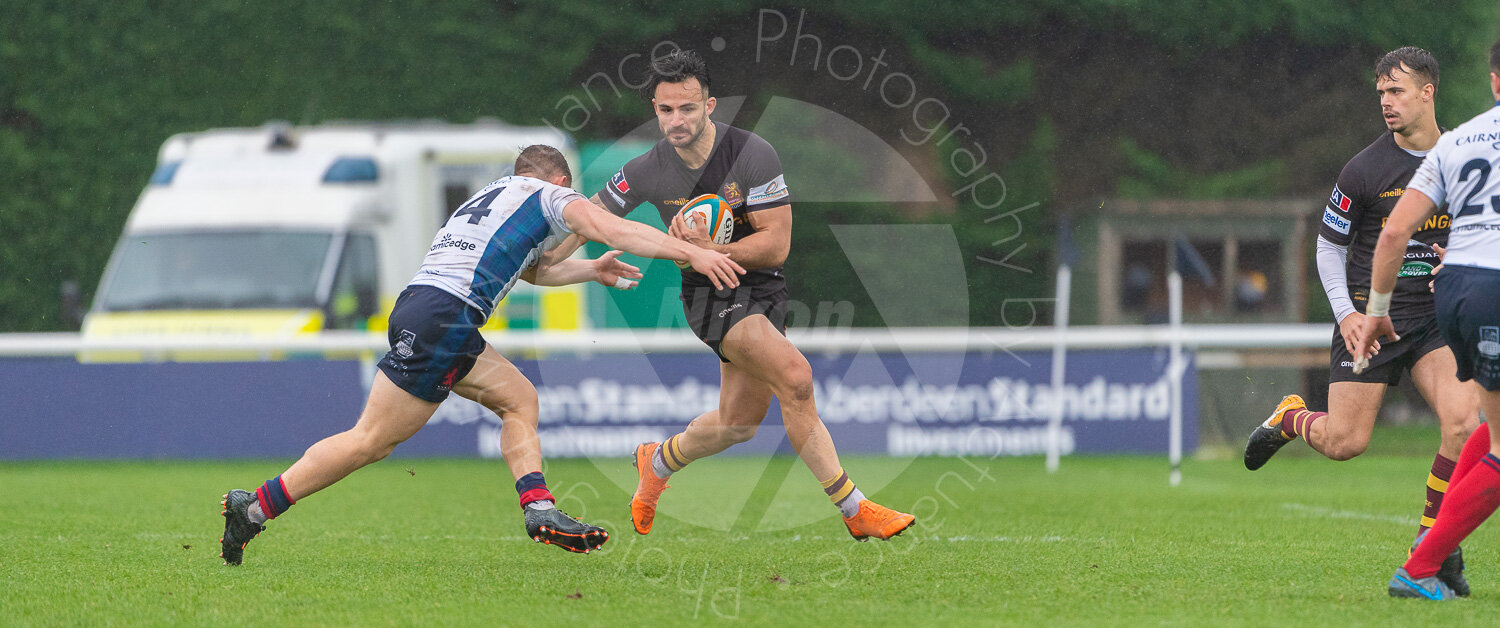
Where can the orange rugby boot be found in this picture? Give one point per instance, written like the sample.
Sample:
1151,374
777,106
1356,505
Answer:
648,489
874,520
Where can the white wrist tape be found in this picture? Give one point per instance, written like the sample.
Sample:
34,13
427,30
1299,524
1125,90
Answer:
1379,305
622,283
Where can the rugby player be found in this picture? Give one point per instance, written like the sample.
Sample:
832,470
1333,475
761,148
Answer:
503,233
1463,172
1367,190
745,326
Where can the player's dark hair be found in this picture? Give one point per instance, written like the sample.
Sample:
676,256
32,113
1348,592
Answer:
543,162
1419,63
1495,57
677,67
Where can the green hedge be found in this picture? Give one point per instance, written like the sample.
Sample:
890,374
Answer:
89,90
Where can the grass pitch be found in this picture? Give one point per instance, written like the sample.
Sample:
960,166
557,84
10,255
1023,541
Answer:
741,540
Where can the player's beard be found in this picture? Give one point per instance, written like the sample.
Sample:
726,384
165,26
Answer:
691,139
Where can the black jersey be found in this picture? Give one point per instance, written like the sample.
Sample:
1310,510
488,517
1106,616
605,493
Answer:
1367,191
743,169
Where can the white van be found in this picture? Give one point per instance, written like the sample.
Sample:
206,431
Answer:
283,230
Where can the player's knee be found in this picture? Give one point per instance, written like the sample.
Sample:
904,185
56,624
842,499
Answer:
1456,433
374,445
1346,448
796,382
736,434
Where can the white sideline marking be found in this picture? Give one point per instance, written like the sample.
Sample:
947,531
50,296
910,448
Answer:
1334,513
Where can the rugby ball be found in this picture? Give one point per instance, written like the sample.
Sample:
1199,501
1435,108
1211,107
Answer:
712,211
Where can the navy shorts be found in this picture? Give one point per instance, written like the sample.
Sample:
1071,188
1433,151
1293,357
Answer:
434,340
1468,313
710,312
1419,337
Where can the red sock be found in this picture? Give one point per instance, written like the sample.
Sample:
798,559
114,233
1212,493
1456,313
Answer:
1298,422
1474,450
1438,482
1469,503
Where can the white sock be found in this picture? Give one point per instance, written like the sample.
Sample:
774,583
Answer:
542,504
253,510
659,464
850,506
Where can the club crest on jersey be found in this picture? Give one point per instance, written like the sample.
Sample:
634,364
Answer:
1339,200
731,194
620,183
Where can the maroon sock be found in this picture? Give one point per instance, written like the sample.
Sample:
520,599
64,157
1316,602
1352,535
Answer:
1437,486
1474,450
1469,503
1299,421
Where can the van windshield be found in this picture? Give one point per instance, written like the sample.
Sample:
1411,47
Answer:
216,270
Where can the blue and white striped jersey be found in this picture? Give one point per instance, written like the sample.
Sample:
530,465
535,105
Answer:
495,235
1464,171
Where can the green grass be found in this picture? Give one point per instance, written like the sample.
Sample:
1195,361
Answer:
440,542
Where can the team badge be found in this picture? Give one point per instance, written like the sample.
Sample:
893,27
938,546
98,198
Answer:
731,194
1489,342
620,183
1339,200
404,344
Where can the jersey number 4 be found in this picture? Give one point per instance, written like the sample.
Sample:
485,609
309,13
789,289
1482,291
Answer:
478,207
1483,168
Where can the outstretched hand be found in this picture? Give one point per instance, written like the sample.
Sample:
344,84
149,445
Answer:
721,270
613,273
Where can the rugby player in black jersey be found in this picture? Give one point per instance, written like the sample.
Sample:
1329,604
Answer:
1368,188
744,326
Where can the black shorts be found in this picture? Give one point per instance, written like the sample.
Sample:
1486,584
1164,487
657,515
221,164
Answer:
710,312
1419,336
434,340
1468,313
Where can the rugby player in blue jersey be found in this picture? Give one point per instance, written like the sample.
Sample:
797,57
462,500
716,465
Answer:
1462,173
503,233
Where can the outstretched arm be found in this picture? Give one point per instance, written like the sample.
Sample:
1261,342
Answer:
591,222
608,270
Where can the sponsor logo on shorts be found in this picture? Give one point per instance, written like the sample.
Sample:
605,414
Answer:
1489,342
1346,364
620,183
1339,200
725,312
1336,222
406,340
773,190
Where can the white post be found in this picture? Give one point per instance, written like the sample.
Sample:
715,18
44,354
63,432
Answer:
1059,365
1175,368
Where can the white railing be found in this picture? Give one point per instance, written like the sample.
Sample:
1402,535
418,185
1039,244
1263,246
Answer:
940,339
